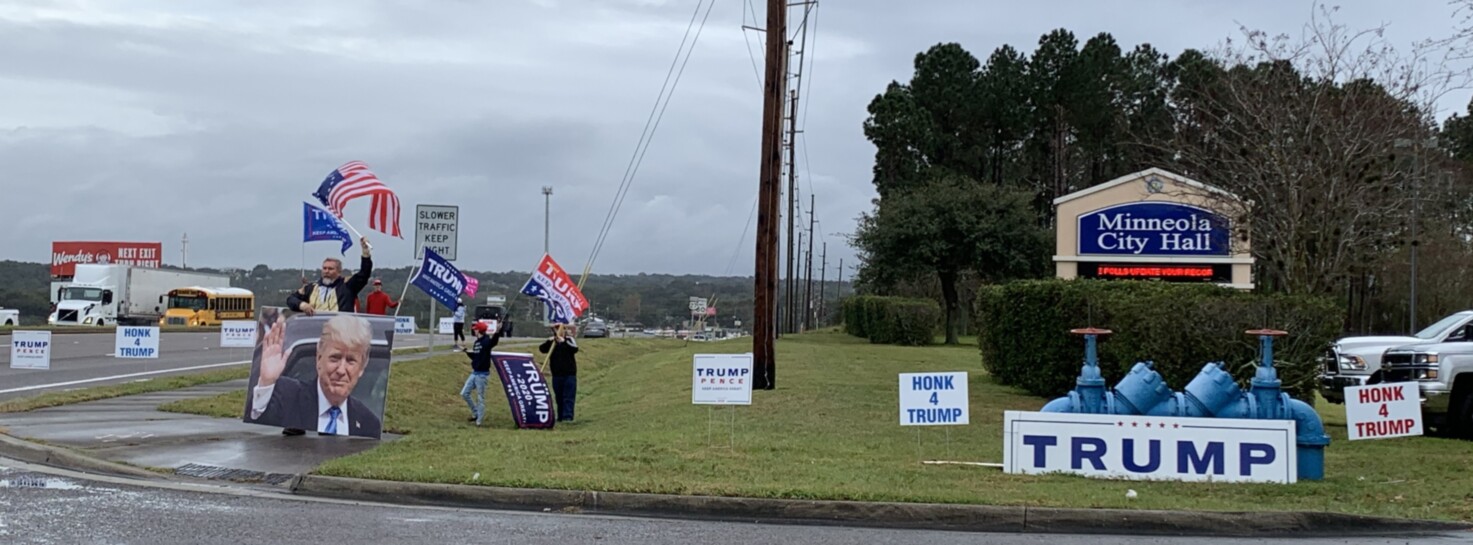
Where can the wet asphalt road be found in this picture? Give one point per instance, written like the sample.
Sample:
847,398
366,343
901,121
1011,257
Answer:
62,507
83,360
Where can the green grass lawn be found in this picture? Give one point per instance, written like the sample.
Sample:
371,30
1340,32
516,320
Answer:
829,431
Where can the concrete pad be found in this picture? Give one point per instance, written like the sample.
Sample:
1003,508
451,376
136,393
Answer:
132,430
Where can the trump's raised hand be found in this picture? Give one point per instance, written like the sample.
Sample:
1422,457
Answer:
273,353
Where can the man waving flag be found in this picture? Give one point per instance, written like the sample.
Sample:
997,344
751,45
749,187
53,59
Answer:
551,284
354,180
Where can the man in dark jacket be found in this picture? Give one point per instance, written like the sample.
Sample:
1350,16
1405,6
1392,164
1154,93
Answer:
480,354
564,370
331,293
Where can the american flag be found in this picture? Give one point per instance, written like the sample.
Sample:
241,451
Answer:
354,180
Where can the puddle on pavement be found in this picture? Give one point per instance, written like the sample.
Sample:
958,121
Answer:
38,481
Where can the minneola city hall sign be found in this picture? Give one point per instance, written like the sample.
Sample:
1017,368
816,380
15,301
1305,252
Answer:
1152,224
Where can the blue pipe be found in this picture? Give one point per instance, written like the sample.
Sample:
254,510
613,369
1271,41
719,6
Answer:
1272,403
1213,393
1089,395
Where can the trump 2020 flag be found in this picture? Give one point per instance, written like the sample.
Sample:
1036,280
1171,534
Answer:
553,286
319,224
471,284
439,279
526,390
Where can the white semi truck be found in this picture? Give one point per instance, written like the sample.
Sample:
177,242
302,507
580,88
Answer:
104,295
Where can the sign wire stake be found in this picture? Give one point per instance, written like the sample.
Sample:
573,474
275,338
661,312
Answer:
919,458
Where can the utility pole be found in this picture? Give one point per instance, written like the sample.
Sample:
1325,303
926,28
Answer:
808,276
546,218
797,322
764,330
183,252
1419,171
822,274
839,287
790,306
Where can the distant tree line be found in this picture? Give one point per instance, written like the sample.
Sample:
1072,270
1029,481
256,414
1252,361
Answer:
653,300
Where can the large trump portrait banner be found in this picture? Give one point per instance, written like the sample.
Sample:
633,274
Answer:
327,373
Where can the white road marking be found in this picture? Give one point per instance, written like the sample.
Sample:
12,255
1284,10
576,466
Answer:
116,377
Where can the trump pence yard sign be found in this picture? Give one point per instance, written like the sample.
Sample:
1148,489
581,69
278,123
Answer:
238,334
722,379
30,350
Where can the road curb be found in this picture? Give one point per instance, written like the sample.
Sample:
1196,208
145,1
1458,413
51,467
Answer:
37,453
968,518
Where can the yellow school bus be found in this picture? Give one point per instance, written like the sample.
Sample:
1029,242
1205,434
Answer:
194,306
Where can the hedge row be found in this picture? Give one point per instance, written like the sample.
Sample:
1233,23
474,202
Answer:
892,320
1025,340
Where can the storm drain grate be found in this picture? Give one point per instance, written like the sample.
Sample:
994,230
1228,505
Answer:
238,475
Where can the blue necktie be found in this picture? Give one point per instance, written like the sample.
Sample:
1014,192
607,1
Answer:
332,420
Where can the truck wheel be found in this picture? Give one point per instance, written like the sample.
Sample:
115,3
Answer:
1460,416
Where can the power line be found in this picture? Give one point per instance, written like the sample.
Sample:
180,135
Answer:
651,125
750,54
730,265
812,59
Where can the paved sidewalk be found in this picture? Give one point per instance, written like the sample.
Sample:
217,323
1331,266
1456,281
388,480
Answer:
132,430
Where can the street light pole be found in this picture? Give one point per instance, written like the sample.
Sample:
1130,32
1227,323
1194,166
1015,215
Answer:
1418,172
546,217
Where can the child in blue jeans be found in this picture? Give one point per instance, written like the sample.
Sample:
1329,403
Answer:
480,354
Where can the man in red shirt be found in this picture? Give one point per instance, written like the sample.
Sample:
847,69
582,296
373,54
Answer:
379,302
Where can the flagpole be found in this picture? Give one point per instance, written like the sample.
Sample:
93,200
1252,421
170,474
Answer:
356,233
410,278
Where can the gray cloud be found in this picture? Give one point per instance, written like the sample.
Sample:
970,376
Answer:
142,120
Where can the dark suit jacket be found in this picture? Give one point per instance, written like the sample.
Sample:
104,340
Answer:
293,404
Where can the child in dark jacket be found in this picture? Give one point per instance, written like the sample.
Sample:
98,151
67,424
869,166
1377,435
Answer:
480,354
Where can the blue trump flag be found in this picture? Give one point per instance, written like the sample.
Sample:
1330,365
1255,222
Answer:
526,390
319,224
439,279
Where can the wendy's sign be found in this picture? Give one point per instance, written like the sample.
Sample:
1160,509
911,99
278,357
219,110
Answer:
1154,228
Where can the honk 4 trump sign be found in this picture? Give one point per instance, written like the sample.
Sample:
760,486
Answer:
137,342
933,399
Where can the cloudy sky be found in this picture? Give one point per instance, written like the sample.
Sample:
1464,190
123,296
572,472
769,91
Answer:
143,120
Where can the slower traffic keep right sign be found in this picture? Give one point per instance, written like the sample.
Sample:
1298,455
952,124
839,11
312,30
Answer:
1382,411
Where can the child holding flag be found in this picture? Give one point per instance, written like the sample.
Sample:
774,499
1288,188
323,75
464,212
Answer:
480,354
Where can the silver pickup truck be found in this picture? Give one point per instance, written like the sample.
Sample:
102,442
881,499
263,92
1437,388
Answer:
1443,372
1356,361
1439,358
